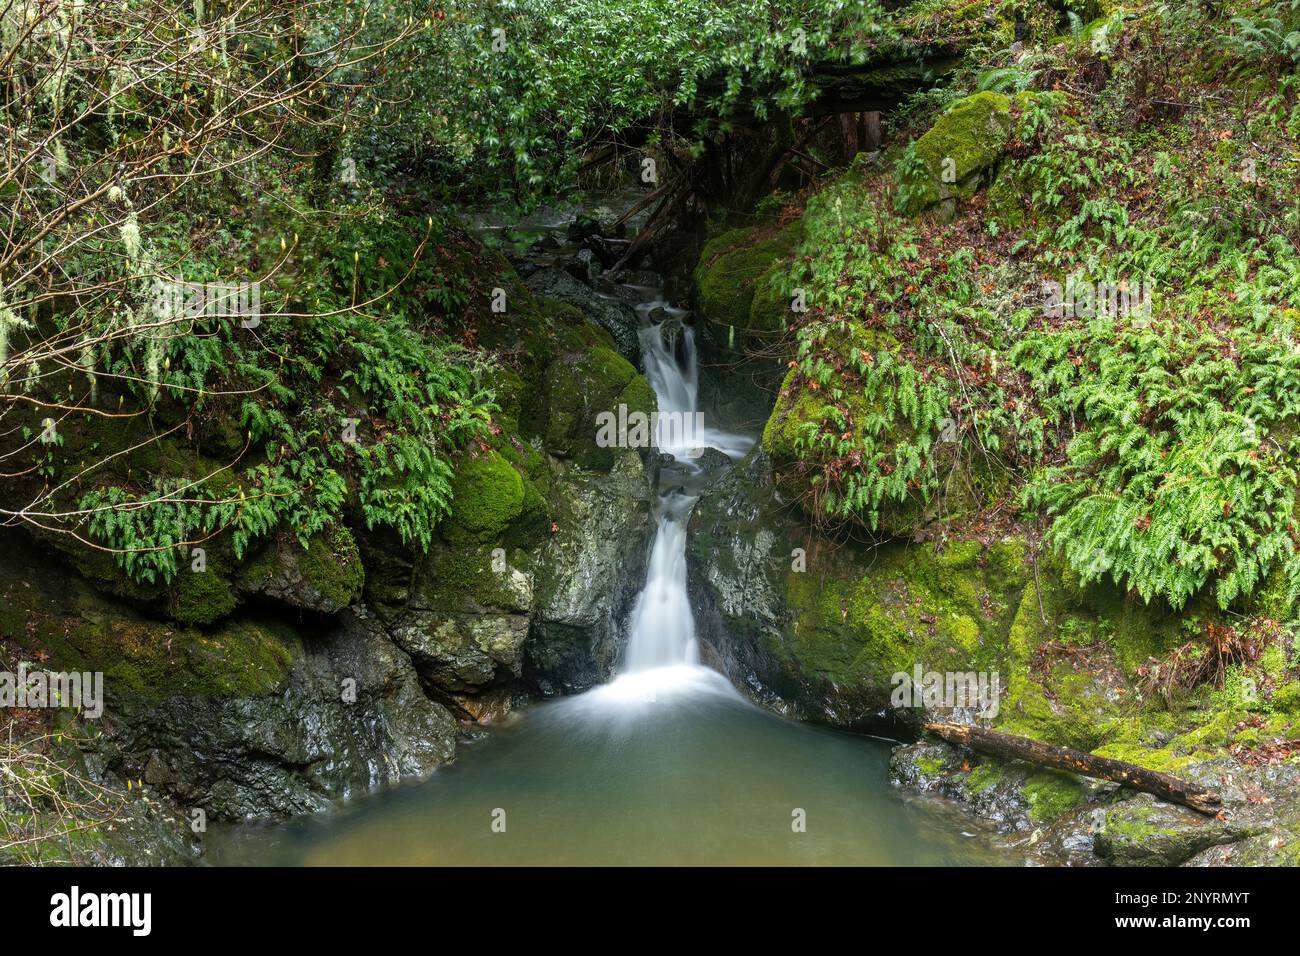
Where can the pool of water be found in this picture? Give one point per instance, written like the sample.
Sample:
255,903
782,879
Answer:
666,767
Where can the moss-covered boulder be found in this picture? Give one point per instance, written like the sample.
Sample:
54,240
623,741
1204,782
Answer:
738,281
578,388
589,574
954,157
326,575
1145,831
821,628
467,618
487,495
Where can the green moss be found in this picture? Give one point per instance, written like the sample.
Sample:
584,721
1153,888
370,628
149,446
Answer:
332,565
729,271
143,659
1051,794
983,777
578,389
465,580
509,388
945,612
487,495
961,146
930,766
200,597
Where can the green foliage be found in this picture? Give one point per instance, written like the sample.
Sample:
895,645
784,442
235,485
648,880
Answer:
512,95
1185,472
1271,34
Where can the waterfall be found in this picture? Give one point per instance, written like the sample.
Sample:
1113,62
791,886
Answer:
662,625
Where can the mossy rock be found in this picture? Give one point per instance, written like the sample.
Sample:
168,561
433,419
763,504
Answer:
326,575
1144,831
578,388
487,495
955,155
200,597
729,272
949,611
1052,793
142,659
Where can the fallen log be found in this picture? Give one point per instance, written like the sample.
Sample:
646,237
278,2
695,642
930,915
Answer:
1010,747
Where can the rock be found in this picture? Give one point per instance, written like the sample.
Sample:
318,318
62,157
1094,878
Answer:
727,277
588,575
1144,831
247,719
952,158
819,629
349,716
1015,797
617,318
326,576
583,266
577,389
487,496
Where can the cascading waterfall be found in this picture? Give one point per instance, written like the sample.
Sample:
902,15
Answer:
665,764
662,625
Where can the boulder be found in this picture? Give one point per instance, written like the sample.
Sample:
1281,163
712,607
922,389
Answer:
615,317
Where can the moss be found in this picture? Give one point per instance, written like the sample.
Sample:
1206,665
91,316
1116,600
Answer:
332,565
487,495
930,766
729,270
509,389
143,659
578,389
200,597
464,579
1051,794
769,307
983,777
944,612
962,145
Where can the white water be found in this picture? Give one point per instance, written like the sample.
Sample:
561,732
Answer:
662,652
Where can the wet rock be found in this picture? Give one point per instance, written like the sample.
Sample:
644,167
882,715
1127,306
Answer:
349,717
583,266
588,575
325,576
820,628
615,317
1144,831
467,619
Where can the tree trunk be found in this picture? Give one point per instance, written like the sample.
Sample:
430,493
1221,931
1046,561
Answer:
1009,747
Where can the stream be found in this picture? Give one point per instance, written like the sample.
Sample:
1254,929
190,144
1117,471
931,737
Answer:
667,764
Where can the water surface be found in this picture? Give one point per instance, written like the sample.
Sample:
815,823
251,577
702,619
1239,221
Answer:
665,767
